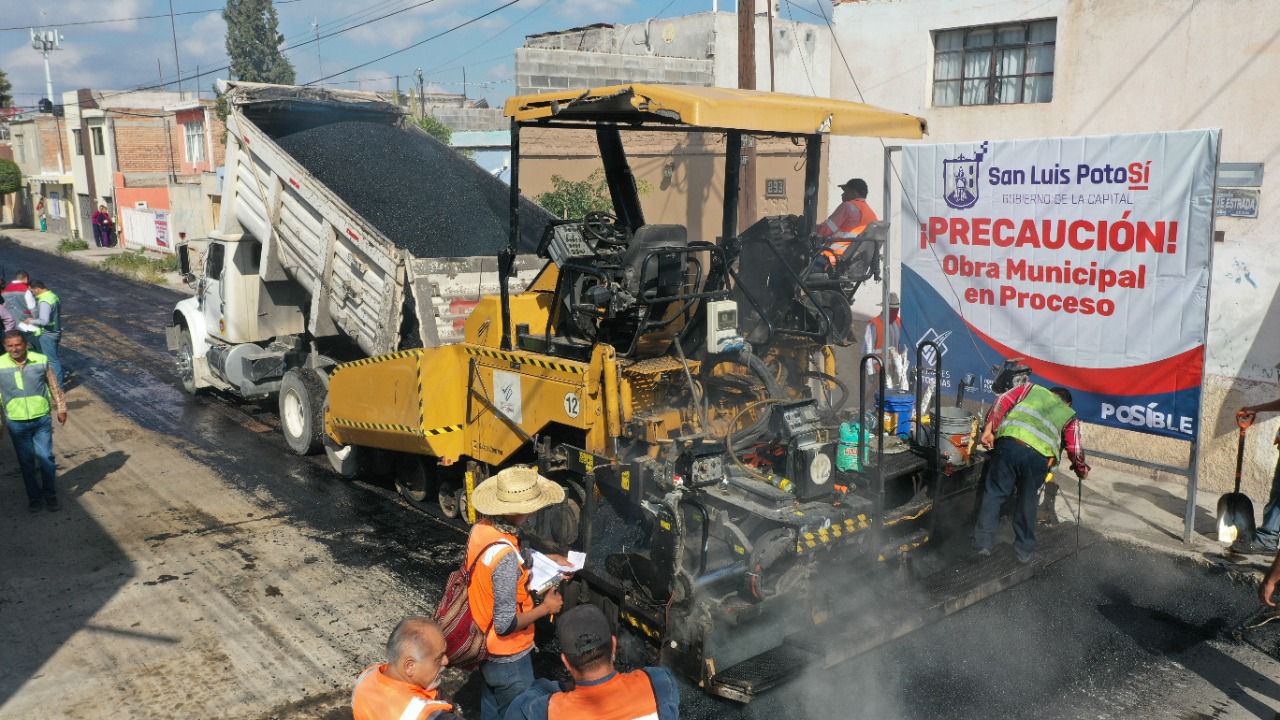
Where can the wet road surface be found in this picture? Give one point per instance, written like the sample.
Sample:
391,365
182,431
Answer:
1114,633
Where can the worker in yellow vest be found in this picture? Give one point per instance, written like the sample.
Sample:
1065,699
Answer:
847,222
1029,427
404,687
29,394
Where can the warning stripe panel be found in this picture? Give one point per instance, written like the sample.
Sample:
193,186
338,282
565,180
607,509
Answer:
399,354
527,360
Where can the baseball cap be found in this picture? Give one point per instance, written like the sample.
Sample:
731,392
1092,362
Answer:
581,630
857,184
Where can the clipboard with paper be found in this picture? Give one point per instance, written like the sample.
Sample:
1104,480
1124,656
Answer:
544,572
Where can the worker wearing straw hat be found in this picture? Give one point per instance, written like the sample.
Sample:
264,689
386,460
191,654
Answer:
499,594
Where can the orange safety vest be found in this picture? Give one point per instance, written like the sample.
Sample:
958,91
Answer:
877,322
480,592
379,696
626,696
842,237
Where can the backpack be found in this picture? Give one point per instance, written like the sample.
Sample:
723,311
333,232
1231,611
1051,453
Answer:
464,640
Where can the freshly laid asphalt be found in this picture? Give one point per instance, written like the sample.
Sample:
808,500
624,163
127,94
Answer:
1115,632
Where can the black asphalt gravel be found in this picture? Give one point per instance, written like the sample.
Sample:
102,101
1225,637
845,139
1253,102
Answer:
419,192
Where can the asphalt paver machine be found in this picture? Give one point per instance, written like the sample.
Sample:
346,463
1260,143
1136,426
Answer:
684,390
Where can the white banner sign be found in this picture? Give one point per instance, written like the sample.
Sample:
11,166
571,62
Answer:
1087,257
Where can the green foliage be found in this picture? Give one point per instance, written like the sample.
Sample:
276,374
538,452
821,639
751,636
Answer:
69,245
10,177
575,198
436,129
253,42
140,265
6,91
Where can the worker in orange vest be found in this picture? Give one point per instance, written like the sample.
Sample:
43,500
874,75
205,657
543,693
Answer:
499,593
598,691
404,687
847,222
873,337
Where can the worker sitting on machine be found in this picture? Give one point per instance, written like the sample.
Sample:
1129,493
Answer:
845,224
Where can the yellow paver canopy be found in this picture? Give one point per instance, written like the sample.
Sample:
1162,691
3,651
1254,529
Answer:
716,108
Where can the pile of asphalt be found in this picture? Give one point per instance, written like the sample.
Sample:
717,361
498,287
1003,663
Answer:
420,193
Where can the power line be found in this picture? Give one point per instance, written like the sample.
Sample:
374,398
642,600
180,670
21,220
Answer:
424,41
902,186
105,21
490,39
316,39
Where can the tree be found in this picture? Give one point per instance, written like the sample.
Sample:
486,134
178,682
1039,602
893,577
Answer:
575,198
436,129
10,178
6,91
253,42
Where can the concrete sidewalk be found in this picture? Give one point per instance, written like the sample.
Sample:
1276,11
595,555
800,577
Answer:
48,242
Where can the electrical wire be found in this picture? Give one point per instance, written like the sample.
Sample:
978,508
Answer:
105,21
902,186
424,41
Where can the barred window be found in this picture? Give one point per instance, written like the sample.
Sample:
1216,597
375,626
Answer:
994,64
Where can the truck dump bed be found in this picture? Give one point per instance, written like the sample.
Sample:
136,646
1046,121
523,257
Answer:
392,234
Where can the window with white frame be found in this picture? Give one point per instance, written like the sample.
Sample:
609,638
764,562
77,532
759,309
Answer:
193,139
994,64
99,147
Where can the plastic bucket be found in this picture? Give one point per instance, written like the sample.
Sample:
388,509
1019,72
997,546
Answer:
956,428
898,407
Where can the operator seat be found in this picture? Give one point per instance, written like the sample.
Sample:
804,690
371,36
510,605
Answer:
663,274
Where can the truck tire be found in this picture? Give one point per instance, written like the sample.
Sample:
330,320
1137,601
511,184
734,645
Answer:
302,399
186,362
417,481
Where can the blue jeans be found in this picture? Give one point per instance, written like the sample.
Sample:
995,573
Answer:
1268,533
49,342
503,681
1017,471
33,443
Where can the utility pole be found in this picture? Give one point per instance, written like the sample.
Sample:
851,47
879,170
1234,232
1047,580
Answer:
747,81
45,41
772,78
464,84
315,27
422,98
177,66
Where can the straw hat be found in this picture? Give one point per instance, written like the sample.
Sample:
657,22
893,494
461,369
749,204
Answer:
515,491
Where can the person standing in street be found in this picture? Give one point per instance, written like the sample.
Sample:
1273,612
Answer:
499,596
404,687
598,691
29,393
48,319
1029,427
18,298
100,219
1267,535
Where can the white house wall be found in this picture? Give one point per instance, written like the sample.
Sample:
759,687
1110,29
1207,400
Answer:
1120,66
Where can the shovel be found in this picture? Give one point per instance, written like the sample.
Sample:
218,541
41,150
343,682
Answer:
1235,510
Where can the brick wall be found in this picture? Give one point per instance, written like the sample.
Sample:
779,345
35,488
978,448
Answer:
158,144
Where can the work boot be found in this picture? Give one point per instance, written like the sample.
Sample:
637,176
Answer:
1048,513
51,502
1026,558
35,505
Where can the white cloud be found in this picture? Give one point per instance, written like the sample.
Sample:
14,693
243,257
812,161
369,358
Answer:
587,12
51,13
206,42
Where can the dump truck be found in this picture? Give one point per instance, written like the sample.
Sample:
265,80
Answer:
308,269
685,392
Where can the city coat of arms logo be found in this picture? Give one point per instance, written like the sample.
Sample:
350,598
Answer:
960,179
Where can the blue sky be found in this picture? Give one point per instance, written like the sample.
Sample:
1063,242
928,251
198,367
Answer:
129,54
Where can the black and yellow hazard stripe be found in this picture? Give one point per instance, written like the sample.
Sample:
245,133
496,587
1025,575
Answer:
907,547
811,540
642,626
534,360
381,427
399,354
442,430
